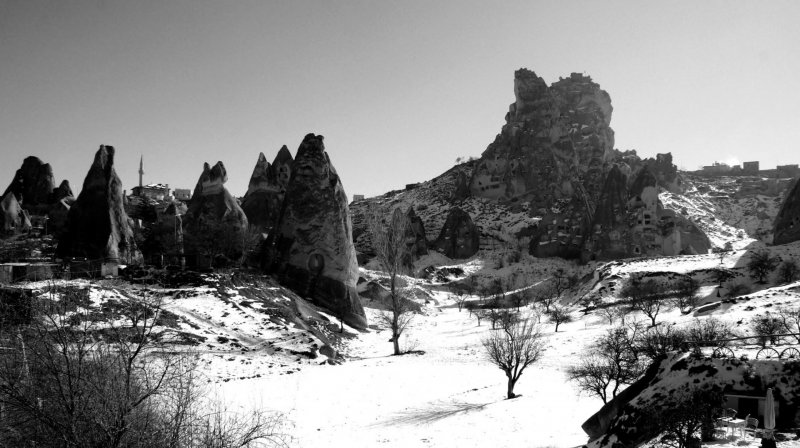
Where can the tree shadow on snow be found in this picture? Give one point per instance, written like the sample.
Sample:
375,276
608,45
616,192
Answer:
432,413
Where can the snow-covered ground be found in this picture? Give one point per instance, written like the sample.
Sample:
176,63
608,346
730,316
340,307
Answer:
450,396
445,394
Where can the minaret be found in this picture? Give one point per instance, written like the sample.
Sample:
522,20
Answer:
141,171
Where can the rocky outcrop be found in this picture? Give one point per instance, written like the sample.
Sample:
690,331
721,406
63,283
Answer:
556,155
459,238
98,228
13,218
265,192
33,187
634,416
63,191
33,183
312,250
282,167
214,224
461,190
631,221
416,235
555,143
787,223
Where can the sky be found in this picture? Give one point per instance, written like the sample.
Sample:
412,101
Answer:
398,89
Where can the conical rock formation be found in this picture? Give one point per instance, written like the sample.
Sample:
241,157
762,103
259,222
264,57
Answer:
215,223
312,249
459,238
97,226
262,202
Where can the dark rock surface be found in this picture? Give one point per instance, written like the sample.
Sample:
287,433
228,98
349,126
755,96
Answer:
33,182
416,234
97,226
264,197
312,250
459,238
63,191
787,223
214,224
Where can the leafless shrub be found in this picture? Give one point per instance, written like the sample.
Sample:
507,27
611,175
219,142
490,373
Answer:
75,376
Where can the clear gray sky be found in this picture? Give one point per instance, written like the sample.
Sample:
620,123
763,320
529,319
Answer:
399,89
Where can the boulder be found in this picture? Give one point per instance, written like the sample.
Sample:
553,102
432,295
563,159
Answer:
262,202
312,250
635,415
98,228
13,218
33,183
215,224
787,223
459,237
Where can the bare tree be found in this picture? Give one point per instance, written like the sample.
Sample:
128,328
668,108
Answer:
459,295
478,313
688,420
612,361
563,281
686,294
790,321
518,299
767,328
788,271
84,377
761,264
545,295
611,313
514,347
559,315
644,297
660,340
389,241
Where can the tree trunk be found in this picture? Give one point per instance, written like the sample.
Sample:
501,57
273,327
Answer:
511,394
396,341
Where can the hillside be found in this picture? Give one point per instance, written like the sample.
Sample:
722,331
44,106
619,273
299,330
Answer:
739,210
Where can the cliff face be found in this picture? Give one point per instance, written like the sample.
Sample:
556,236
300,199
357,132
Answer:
556,155
787,223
